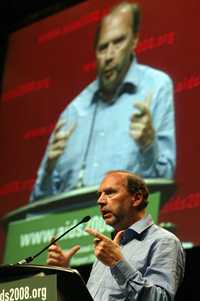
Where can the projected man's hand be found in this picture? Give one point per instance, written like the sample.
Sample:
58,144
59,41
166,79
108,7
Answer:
141,127
58,143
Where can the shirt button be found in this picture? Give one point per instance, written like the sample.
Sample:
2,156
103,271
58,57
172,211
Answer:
102,134
96,164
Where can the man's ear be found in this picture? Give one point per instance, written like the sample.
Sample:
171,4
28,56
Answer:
135,41
137,200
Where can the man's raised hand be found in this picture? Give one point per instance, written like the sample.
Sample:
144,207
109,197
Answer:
106,250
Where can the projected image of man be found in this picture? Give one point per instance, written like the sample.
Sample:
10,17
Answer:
122,120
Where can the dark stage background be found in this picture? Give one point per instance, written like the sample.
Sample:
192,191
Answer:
40,59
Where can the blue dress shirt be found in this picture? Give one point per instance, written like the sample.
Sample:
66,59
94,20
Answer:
101,140
152,269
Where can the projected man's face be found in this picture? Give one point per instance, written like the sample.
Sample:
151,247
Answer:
114,48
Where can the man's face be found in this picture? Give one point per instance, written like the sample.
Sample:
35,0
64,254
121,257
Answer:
114,48
115,202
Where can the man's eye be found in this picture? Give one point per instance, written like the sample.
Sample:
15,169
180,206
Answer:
119,40
102,47
98,194
110,192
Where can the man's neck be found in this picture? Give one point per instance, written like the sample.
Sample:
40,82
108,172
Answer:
138,216
110,94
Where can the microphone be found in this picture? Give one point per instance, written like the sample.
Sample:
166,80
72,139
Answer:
31,258
80,180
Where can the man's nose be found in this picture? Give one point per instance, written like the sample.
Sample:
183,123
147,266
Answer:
102,199
110,52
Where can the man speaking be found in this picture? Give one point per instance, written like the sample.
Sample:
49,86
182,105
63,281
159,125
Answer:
144,261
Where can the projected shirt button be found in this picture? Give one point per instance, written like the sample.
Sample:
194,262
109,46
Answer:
102,134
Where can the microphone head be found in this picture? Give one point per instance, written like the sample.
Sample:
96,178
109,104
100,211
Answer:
86,219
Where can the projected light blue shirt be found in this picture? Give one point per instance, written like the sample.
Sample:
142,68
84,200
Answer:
152,269
101,140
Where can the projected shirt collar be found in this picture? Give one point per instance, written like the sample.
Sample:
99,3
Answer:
129,85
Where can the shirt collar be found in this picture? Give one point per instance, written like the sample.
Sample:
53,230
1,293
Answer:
132,74
138,228
136,231
142,225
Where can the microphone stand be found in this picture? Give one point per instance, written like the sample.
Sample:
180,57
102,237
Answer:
31,258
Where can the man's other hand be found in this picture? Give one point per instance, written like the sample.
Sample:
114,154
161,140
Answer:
59,257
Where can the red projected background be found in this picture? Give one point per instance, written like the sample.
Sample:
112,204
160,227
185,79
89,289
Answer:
51,61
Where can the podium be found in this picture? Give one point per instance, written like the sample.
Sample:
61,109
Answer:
38,282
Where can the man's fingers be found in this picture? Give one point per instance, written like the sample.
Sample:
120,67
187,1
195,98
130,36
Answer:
95,233
71,130
73,251
59,125
53,256
54,248
56,256
59,143
55,154
96,241
142,108
146,103
54,253
118,237
63,134
148,100
137,126
51,261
